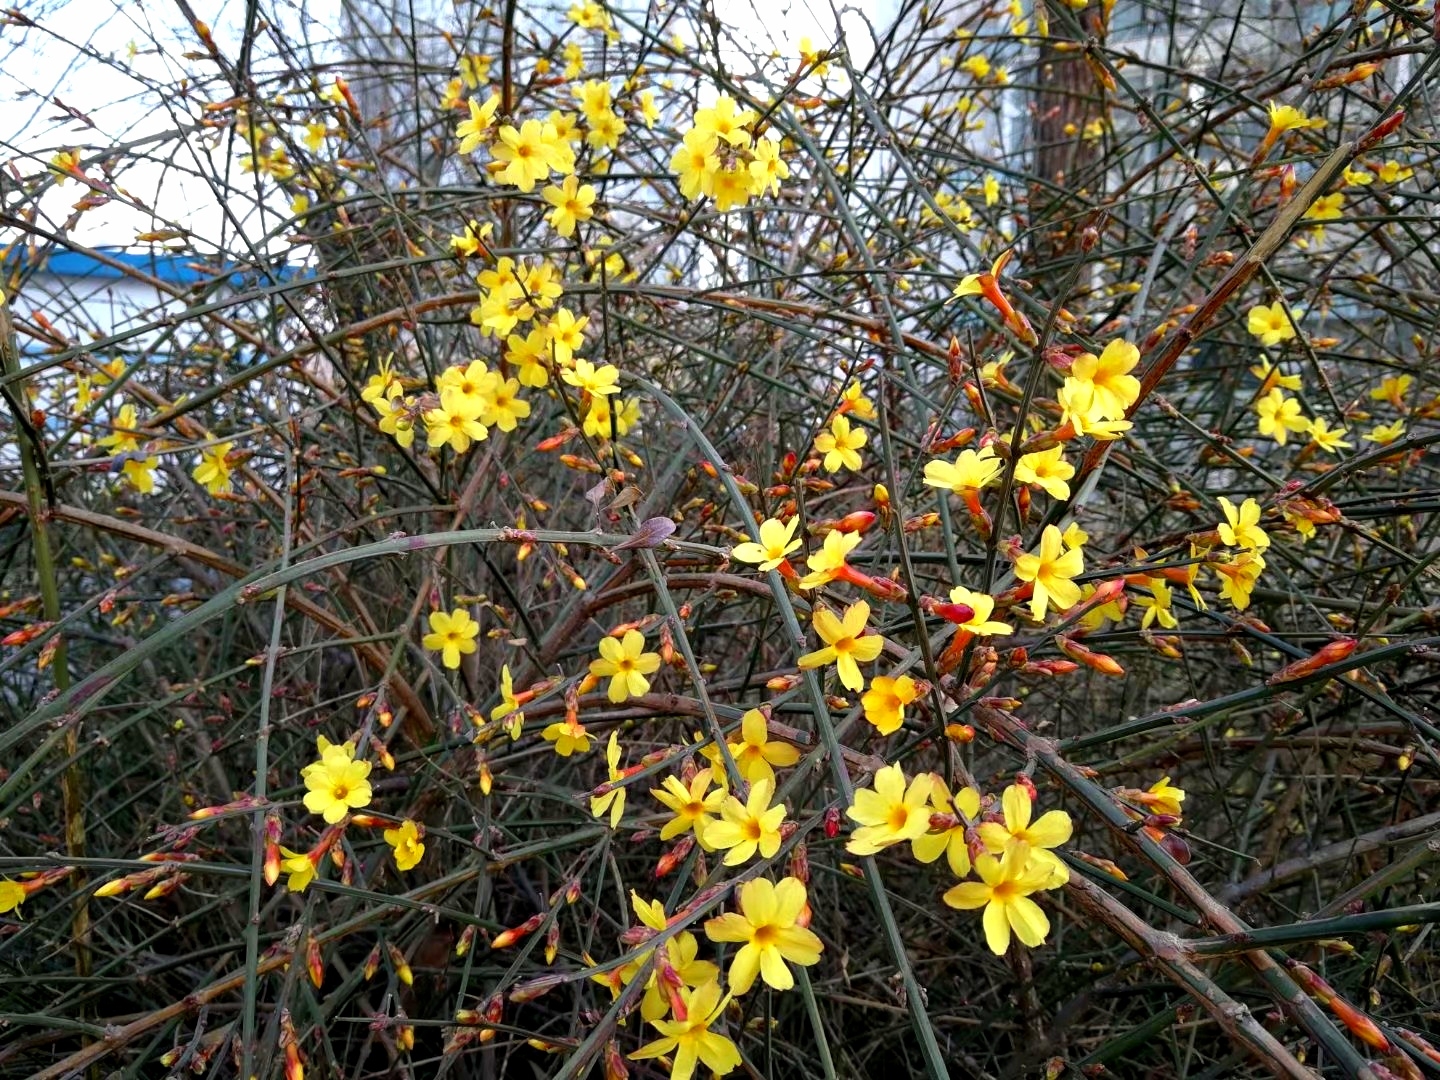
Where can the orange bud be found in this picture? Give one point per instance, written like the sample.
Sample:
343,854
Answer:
1331,653
382,754
534,988
1050,667
960,733
922,521
855,522
372,962
467,938
1105,665
554,442
506,938
552,941
1360,1025
397,961
955,613
1104,865
27,634
615,1067
487,778
675,856
314,964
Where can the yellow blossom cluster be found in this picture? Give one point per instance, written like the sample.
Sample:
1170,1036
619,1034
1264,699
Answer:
723,159
1013,851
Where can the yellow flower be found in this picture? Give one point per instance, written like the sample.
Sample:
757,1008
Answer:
696,163
767,168
384,385
1285,118
471,132
125,434
509,707
681,952
397,421
725,120
336,786
840,445
854,401
888,812
992,190
845,647
12,895
1165,797
1241,528
569,737
140,472
1393,389
474,69
826,564
767,924
982,604
776,542
408,848
451,635
885,702
566,335
1279,415
63,164
591,379
598,425
691,1039
1048,469
1080,409
649,111
971,471
1004,892
1270,376
1050,830
530,154
1384,434
1051,571
1157,605
300,867
614,799
529,354
1115,389
572,202
1327,207
1270,323
604,131
1238,577
1392,172
809,55
952,841
730,187
625,663
1358,177
456,423
692,807
755,754
502,405
747,827
473,381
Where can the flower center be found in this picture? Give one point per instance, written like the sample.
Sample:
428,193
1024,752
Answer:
899,816
764,935
340,792
751,829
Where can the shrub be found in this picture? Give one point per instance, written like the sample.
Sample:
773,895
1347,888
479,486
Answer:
596,538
